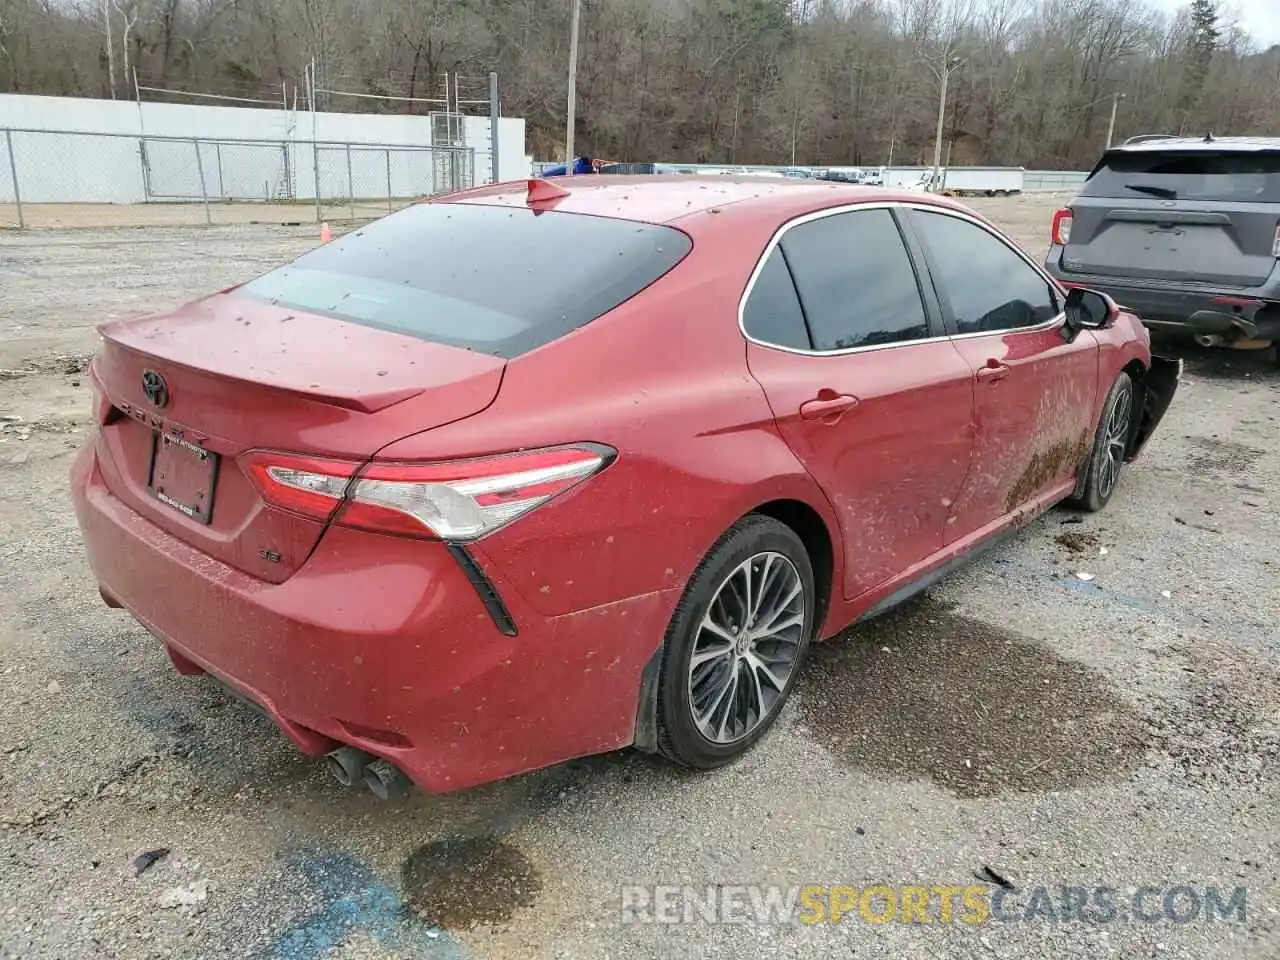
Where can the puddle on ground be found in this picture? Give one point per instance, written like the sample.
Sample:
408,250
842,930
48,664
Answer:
457,883
977,709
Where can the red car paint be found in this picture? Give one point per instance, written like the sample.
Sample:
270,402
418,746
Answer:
384,642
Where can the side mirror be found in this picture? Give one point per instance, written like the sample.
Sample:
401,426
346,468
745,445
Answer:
1089,310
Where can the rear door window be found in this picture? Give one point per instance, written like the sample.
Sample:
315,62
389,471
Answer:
1188,175
856,281
772,313
498,280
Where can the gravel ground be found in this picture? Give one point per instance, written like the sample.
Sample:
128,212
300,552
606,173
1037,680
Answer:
1017,724
55,216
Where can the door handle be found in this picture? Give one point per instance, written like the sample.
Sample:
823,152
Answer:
994,370
827,406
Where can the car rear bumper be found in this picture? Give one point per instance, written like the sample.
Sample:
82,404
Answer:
382,643
1168,306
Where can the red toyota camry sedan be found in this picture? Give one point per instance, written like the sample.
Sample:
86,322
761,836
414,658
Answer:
537,470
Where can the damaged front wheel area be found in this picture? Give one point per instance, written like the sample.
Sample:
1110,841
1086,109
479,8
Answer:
1110,446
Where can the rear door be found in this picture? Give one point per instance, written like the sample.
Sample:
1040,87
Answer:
873,399
1184,215
1034,390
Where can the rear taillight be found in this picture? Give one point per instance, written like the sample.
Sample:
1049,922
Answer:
1060,232
102,408
456,500
1275,244
104,411
308,486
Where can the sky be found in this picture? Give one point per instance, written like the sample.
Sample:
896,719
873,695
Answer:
1259,17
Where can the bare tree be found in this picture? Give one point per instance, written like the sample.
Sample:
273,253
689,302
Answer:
716,80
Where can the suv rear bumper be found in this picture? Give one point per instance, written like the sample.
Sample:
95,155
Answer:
1169,306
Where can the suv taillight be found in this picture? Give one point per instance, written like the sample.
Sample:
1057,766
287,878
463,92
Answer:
455,500
1060,232
1275,244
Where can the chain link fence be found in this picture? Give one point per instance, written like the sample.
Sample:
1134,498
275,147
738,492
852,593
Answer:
62,179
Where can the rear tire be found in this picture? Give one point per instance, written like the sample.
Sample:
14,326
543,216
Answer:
735,645
1110,446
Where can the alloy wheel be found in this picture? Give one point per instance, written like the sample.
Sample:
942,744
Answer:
1116,440
747,647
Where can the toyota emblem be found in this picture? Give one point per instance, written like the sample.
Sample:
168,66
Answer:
155,388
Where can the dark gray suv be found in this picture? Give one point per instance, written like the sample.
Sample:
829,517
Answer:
1185,232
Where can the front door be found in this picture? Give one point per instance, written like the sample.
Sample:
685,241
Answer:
872,398
1034,390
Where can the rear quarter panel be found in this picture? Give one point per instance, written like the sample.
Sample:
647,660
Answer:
663,379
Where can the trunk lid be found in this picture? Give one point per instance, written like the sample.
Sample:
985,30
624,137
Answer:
1186,214
180,396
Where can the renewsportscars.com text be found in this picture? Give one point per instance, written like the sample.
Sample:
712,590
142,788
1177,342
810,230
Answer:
933,903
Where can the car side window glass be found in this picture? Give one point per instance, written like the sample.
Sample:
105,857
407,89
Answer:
855,279
988,285
772,313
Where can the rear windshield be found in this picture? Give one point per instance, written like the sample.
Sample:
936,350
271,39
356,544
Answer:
1197,175
497,280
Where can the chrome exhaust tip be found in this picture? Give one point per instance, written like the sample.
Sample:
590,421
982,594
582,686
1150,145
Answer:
385,780
347,764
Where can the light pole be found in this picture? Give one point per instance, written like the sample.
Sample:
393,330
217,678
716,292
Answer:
570,113
950,64
1111,127
795,126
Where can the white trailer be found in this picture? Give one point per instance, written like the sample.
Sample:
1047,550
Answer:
974,181
909,177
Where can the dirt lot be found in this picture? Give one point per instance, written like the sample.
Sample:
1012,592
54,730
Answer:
1121,731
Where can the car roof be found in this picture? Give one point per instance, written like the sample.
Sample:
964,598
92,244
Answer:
1160,144
667,199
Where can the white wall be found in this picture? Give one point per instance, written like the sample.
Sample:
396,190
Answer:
67,163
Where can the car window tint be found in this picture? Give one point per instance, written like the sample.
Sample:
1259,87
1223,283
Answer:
988,285
855,280
772,312
499,280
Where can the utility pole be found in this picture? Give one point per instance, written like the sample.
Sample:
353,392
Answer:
1111,127
950,64
571,112
795,126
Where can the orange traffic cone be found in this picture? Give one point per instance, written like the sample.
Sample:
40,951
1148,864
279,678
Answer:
325,233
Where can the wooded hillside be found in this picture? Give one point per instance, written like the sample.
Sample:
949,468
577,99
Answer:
838,81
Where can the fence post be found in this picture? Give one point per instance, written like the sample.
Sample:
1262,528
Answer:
13,175
204,191
388,155
217,153
351,184
315,174
493,127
